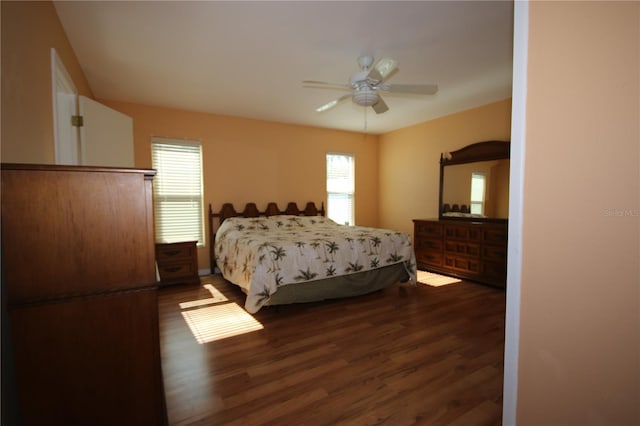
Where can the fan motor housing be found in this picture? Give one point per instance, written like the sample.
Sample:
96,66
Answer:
365,96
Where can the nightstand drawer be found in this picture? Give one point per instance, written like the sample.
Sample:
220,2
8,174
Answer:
174,251
171,271
177,262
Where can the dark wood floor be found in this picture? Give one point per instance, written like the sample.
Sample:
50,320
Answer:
406,355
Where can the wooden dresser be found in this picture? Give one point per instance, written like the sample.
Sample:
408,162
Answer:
81,297
177,263
471,250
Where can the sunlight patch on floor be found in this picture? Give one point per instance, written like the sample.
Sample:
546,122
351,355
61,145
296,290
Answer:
217,297
435,280
220,319
215,293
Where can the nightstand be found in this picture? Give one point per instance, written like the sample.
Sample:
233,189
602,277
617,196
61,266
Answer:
177,263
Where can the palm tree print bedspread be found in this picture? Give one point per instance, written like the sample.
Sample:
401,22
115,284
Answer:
262,254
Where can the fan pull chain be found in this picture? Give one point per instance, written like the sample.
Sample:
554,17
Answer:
365,120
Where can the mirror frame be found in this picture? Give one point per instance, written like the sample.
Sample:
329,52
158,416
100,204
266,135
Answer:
480,151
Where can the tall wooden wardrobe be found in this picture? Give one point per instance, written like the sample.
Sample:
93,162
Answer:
79,279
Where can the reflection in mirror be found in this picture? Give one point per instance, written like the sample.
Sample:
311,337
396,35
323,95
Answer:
474,182
478,190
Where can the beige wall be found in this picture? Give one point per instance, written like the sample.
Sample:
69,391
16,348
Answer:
579,346
499,189
29,31
251,160
410,160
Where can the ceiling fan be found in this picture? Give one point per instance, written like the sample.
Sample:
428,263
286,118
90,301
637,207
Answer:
366,84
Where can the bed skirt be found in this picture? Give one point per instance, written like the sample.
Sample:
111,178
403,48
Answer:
340,287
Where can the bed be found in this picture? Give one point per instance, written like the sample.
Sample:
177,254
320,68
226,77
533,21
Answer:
292,256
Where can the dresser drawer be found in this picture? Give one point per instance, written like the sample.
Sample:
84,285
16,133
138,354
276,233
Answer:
463,248
495,273
463,264
429,258
494,252
463,232
495,235
427,228
423,243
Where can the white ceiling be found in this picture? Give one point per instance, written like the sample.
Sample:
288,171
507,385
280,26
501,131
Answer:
248,59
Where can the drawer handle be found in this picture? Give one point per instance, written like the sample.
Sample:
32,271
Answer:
173,269
172,252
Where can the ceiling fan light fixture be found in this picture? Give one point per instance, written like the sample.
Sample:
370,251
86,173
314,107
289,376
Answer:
386,67
365,96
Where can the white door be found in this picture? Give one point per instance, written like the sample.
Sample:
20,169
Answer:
104,139
106,135
64,107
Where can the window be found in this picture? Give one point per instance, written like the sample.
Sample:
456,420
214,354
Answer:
478,181
340,188
177,190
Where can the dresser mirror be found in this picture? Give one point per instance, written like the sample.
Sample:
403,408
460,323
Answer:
474,183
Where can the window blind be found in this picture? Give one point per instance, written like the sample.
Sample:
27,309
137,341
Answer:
340,188
177,190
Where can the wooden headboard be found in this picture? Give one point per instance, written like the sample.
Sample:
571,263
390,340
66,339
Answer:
251,210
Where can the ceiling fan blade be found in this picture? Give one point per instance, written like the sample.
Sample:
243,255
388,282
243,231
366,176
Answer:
383,69
380,106
333,103
314,82
419,89
324,85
